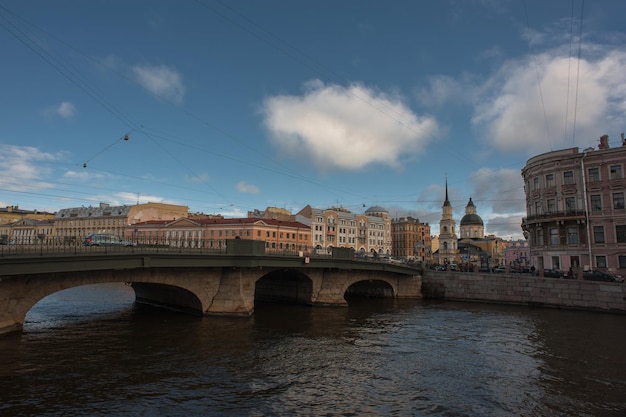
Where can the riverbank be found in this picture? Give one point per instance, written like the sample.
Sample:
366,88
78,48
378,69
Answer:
525,290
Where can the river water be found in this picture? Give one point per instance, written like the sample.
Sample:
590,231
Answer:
90,351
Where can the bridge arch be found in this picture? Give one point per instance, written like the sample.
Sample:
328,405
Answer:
284,286
371,288
34,288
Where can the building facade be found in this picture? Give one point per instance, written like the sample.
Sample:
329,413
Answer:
73,224
575,212
369,234
212,233
410,239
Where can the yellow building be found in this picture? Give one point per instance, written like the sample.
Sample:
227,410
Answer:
73,224
12,214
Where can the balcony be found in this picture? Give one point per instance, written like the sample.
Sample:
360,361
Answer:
554,216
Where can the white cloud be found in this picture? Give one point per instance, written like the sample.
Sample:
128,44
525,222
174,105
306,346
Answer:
199,178
66,110
346,128
242,187
163,82
501,189
123,197
526,109
21,168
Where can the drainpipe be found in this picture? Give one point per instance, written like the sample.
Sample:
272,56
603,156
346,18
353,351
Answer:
582,168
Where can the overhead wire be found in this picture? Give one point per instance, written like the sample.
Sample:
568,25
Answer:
141,128
534,58
580,39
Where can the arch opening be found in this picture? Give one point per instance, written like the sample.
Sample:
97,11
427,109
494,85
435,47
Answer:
77,304
167,296
372,288
284,287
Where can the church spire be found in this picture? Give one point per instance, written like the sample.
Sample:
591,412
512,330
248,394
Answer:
446,203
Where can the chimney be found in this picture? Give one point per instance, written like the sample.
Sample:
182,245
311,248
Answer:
604,142
623,140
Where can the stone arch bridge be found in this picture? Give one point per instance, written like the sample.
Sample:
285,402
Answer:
205,284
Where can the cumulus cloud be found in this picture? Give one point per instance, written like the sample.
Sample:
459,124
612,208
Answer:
163,82
21,167
66,110
536,103
242,187
529,102
346,128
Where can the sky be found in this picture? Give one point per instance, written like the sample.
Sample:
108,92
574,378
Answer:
230,106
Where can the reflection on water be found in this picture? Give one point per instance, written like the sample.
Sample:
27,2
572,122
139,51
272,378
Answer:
91,351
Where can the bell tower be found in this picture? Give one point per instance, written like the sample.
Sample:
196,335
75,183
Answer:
448,249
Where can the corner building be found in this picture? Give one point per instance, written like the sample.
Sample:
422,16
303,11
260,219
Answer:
575,213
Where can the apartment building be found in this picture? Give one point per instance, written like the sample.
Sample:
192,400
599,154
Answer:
369,234
410,239
575,213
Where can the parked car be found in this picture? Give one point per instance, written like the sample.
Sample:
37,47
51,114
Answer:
105,239
600,276
552,273
499,269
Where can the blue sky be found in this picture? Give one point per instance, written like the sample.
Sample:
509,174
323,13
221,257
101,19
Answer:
231,106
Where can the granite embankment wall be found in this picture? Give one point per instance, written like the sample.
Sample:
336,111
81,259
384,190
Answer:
525,290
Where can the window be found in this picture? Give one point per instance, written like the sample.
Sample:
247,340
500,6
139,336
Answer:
574,262
601,261
554,236
556,264
570,204
615,172
551,205
550,180
598,234
568,177
622,261
618,201
572,235
594,174
536,183
537,208
540,237
596,202
620,233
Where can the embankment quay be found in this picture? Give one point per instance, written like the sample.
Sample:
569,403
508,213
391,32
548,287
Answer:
525,290
229,282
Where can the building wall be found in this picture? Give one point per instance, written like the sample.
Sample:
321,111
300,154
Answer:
575,208
410,239
212,233
368,233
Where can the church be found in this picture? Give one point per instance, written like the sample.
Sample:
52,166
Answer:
472,251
